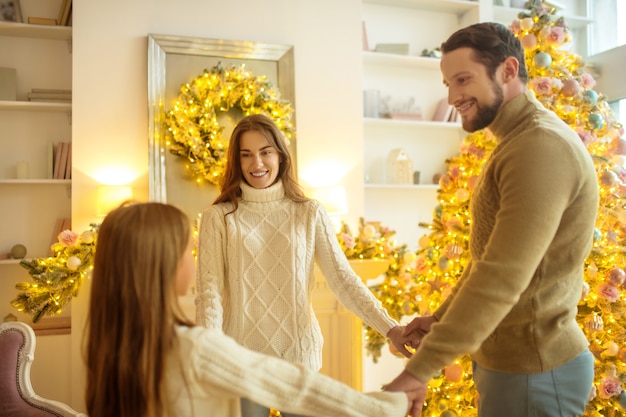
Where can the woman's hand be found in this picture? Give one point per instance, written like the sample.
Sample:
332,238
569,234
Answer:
415,331
414,389
401,339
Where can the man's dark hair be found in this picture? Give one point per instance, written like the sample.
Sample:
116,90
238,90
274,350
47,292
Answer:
491,43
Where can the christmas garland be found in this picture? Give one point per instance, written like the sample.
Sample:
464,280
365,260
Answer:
57,279
193,129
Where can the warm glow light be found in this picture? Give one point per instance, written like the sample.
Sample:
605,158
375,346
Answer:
111,196
333,198
115,175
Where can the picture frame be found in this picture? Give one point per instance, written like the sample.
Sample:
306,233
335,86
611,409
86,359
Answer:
173,60
10,11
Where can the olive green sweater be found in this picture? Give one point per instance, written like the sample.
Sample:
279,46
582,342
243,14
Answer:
533,215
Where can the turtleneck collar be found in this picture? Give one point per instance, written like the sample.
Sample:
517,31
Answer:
513,114
262,195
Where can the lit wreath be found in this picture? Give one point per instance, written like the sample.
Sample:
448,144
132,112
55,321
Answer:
193,130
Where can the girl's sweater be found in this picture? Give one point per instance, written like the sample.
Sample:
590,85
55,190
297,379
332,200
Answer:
209,372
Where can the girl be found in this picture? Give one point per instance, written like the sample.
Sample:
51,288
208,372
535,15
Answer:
257,247
145,359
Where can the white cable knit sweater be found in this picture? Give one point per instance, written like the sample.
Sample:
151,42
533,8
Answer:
255,275
217,372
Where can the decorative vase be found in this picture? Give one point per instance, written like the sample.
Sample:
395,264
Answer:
399,167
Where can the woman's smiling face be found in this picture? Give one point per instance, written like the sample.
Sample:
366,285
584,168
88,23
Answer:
260,161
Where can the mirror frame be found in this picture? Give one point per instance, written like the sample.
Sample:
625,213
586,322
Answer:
160,46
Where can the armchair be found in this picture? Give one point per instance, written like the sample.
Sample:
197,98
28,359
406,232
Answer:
17,397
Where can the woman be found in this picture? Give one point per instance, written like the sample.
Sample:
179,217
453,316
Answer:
257,246
145,359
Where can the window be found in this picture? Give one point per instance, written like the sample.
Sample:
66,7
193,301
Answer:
608,29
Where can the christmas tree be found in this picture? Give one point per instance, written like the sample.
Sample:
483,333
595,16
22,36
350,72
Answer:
418,283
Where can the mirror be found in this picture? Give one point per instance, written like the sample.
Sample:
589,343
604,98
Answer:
176,60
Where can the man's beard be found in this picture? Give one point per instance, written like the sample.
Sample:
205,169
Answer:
485,114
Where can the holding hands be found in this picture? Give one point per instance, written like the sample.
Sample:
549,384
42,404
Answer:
410,335
415,331
414,389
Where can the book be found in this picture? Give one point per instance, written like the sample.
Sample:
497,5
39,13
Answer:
64,12
64,153
57,160
50,171
68,164
67,224
42,21
60,160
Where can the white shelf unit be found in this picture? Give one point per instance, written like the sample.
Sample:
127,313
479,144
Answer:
403,79
30,207
400,79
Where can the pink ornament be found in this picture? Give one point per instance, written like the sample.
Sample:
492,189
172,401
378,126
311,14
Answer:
529,42
608,292
618,146
608,178
570,87
556,36
515,26
588,81
541,85
616,276
454,372
67,238
609,387
471,182
445,181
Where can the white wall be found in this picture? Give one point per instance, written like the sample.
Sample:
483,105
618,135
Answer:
110,117
610,65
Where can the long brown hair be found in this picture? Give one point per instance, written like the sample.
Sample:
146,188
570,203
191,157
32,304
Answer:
229,187
133,309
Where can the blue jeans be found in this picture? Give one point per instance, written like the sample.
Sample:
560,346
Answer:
251,409
561,392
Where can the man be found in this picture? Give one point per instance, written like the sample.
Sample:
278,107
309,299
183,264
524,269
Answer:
533,215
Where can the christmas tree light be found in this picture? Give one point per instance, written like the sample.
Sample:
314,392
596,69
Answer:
561,82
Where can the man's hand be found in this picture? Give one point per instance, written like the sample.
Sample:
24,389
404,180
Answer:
414,389
418,328
401,339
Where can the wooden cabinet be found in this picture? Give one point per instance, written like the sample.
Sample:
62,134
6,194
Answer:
31,201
